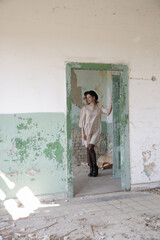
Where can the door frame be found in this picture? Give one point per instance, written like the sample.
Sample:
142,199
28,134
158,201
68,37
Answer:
116,125
121,70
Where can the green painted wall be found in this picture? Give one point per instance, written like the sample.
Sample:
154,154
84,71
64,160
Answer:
33,152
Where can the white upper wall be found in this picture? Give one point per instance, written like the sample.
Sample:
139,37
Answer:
38,37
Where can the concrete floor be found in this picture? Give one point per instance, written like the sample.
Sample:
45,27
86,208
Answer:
103,183
111,216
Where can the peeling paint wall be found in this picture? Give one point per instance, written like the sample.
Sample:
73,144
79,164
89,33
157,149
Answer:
101,82
38,38
145,130
32,152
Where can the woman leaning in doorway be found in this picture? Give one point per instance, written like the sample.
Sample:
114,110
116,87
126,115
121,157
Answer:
90,124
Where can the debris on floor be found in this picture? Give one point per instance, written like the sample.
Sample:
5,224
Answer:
105,162
152,190
116,216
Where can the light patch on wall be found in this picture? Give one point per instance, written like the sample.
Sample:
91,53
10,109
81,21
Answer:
10,184
2,195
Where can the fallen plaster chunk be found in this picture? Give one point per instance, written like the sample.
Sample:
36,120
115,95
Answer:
32,235
17,234
66,238
46,237
13,225
6,219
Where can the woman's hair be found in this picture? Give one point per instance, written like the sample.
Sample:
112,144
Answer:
93,94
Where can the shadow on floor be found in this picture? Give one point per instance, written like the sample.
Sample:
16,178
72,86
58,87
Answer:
104,183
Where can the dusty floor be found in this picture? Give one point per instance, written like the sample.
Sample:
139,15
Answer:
121,215
104,183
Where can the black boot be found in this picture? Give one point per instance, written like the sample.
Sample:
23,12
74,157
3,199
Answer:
95,170
90,174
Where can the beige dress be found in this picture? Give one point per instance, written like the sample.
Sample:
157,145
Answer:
90,120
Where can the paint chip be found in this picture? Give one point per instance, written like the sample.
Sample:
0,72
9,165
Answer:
15,150
148,169
32,172
13,174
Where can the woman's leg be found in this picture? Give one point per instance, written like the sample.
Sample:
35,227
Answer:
92,153
88,157
89,161
93,159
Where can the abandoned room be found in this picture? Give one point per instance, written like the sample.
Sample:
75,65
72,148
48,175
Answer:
51,53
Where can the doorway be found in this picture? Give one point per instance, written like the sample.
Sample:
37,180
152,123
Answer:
106,80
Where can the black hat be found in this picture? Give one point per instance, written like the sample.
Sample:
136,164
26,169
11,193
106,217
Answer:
92,93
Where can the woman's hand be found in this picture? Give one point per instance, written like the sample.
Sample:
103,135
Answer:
85,137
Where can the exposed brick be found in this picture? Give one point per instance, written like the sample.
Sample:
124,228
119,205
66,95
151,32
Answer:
79,151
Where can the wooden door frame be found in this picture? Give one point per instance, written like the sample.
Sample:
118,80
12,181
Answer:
122,70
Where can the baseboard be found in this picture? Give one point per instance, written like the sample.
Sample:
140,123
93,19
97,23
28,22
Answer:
140,186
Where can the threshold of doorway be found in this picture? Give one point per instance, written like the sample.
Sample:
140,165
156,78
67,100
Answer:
102,184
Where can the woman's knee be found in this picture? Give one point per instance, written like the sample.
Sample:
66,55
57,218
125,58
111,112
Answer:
90,147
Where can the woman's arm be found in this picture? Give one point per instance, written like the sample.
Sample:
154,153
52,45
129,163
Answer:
83,134
110,107
82,122
109,110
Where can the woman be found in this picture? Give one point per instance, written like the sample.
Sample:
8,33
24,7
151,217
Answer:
90,124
